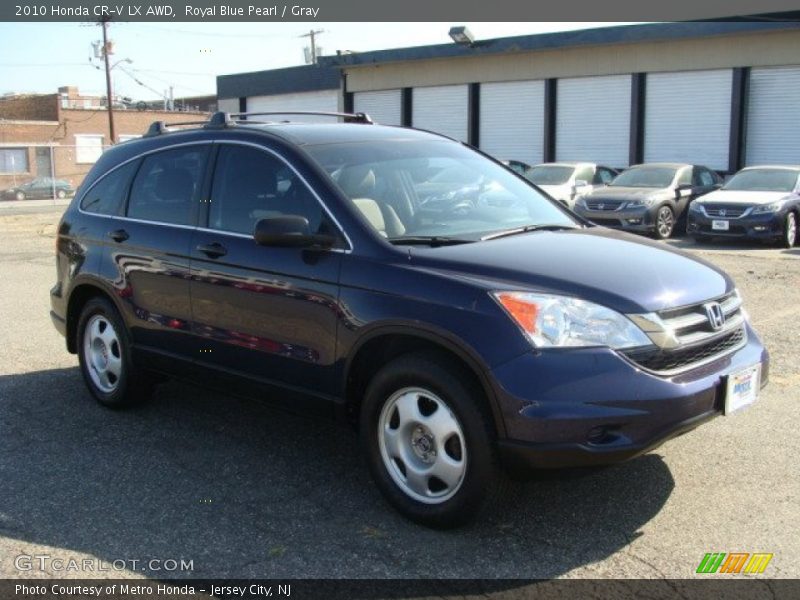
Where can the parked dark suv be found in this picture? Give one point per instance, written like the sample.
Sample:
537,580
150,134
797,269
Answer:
462,329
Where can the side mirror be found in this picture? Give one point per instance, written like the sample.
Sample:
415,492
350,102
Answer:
684,189
289,231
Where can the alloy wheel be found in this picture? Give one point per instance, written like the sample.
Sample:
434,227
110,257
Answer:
665,221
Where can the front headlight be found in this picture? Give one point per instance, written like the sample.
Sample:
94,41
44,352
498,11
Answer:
551,321
772,207
642,202
696,207
580,201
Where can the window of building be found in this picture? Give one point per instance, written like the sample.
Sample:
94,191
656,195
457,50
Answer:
107,196
166,187
13,160
250,185
88,148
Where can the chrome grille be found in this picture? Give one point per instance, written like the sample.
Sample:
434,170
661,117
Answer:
728,211
689,336
603,204
678,360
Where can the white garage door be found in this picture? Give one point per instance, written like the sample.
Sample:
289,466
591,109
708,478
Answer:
593,119
442,109
688,117
324,101
512,120
383,107
773,116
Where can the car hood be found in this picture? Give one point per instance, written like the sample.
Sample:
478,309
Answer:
628,193
612,268
742,197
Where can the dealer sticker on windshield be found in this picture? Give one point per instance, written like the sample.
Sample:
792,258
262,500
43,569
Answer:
720,225
743,388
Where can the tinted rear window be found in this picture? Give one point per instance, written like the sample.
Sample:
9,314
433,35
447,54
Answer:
107,196
166,186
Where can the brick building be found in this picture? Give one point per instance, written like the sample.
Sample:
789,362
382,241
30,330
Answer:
62,135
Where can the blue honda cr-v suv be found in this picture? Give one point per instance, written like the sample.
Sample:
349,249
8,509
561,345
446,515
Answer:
464,320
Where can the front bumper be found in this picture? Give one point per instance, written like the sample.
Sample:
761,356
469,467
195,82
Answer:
758,226
639,219
579,407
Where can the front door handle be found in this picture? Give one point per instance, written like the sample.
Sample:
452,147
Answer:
214,250
118,235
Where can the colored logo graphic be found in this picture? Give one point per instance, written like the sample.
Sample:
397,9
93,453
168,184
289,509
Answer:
735,562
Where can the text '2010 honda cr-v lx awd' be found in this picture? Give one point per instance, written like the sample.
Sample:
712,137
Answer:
466,329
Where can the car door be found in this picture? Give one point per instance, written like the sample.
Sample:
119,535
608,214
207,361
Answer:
269,313
149,252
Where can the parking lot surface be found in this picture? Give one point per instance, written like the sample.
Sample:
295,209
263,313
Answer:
242,490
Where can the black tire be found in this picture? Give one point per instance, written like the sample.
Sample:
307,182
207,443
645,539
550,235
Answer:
61,194
481,477
664,222
20,195
789,238
131,386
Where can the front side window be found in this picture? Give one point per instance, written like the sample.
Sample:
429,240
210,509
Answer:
250,185
604,176
650,177
166,187
107,196
763,180
423,189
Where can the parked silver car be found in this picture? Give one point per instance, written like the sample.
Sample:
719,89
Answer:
566,181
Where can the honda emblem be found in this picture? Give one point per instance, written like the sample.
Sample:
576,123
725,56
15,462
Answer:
716,318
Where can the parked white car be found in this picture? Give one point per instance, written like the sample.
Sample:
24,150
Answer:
566,181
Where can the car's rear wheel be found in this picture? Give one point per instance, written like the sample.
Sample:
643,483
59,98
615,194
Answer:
61,194
665,222
20,195
789,230
105,357
428,440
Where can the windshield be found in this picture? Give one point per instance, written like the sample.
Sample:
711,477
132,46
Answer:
649,177
763,180
421,189
550,175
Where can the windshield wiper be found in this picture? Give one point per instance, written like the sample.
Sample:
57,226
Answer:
428,240
527,229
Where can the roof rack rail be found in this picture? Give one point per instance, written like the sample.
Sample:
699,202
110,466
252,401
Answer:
161,127
358,117
224,119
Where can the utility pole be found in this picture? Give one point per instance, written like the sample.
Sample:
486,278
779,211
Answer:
313,35
110,99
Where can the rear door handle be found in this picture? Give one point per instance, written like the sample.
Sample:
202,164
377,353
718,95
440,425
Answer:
214,250
118,235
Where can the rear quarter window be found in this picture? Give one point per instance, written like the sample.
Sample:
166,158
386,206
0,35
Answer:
107,196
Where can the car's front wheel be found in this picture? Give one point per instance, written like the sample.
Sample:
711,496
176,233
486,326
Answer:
20,195
789,230
428,439
61,194
665,222
105,357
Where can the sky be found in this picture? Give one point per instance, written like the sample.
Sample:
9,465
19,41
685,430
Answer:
40,57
